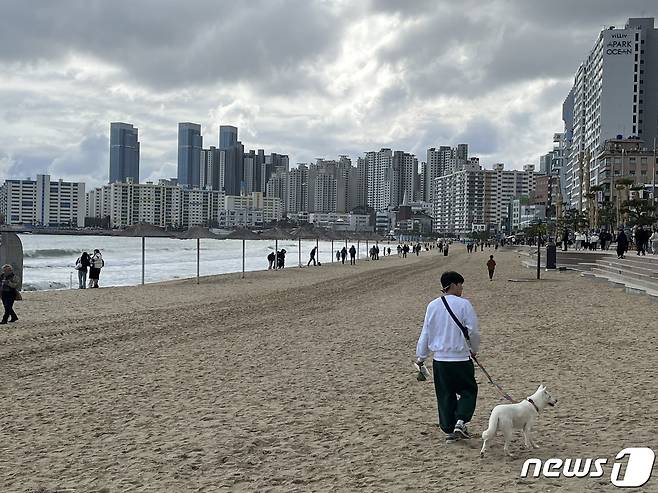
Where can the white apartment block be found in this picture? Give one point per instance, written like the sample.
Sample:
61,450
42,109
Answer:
277,186
362,182
442,161
43,202
379,165
297,197
241,218
389,175
341,222
163,204
407,166
615,92
475,196
270,208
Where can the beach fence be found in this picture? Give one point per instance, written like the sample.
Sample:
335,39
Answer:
246,255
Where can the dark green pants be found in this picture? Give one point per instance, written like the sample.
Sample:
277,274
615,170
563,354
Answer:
452,378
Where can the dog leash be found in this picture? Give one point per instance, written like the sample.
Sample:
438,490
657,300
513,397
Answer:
500,390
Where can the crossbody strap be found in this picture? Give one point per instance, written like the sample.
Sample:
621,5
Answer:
459,324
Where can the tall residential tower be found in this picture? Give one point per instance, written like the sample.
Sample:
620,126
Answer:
124,152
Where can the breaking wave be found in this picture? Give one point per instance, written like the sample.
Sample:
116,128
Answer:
52,252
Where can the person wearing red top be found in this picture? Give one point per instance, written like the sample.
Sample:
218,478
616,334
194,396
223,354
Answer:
491,265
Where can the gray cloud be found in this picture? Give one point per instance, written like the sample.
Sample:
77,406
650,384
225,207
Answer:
308,79
167,44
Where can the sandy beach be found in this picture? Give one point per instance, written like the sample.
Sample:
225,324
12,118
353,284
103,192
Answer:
301,380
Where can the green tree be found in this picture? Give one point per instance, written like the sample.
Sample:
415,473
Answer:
607,215
639,211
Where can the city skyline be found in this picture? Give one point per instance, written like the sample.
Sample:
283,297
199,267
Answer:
348,80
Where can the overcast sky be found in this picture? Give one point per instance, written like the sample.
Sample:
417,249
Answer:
299,77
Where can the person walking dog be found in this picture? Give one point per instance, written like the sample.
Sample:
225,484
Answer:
454,373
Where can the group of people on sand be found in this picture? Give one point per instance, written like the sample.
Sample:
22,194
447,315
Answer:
277,260
89,265
341,255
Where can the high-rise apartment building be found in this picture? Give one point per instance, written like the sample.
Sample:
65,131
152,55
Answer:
124,152
190,145
406,166
233,159
382,180
296,189
362,183
43,202
163,204
212,174
277,186
442,161
273,162
228,136
477,199
615,92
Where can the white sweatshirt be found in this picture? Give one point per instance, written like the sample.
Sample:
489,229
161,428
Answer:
442,336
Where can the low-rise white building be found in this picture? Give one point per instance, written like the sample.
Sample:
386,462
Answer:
340,222
240,218
270,207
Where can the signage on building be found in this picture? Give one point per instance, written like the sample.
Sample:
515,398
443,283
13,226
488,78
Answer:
619,44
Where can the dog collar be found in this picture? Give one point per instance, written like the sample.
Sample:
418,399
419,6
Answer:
533,404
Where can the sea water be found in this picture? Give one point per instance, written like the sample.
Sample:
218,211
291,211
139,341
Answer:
49,260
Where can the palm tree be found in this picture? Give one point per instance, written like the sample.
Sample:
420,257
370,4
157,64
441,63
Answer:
594,216
622,185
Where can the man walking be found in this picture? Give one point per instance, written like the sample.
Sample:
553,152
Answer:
312,259
491,267
454,373
352,255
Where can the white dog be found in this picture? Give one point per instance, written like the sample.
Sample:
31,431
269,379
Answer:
521,415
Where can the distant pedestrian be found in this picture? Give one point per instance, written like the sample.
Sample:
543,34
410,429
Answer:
491,266
343,254
399,250
445,249
352,255
281,258
405,250
271,258
389,251
9,293
97,263
337,255
376,252
312,257
82,265
622,243
654,242
641,240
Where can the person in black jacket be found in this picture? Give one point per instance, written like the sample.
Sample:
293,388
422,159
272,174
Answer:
622,244
82,265
343,254
9,283
352,255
